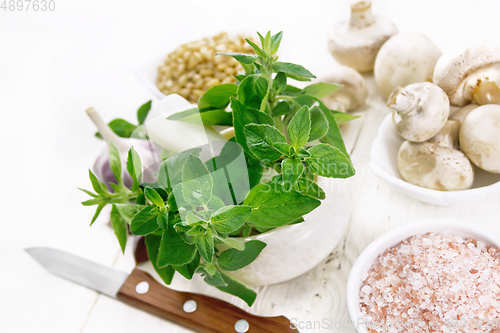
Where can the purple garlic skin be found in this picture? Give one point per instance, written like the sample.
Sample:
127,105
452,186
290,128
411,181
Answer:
150,157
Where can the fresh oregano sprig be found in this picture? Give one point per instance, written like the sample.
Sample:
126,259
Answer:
191,215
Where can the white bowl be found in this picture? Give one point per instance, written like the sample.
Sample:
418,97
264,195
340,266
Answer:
295,249
383,162
392,238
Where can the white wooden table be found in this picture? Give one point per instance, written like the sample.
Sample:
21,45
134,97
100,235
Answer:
53,65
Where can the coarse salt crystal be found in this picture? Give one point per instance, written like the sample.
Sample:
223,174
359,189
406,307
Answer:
434,278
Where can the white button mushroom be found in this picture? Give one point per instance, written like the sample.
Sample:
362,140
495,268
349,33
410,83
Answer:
353,93
471,76
404,59
480,139
420,110
356,43
430,165
448,135
461,113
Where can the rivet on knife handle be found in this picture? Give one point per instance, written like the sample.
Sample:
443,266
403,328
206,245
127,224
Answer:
200,313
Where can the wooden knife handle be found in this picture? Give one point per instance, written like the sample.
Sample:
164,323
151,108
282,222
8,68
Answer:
211,315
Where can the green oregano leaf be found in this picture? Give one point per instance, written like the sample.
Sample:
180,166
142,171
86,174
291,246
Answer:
230,218
119,227
153,245
328,161
144,222
232,259
154,197
196,182
299,128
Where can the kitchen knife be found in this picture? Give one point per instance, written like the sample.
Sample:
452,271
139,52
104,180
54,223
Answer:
200,313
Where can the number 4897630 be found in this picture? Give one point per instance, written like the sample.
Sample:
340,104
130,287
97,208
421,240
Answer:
27,5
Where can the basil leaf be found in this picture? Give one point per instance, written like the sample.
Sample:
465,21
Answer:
119,227
342,117
281,109
275,42
162,219
319,124
333,137
260,139
279,82
310,188
284,148
205,245
232,260
328,161
257,49
154,197
188,270
291,169
243,116
122,128
97,185
299,128
230,218
274,206
238,289
134,168
127,211
171,169
241,57
320,89
292,69
173,249
217,97
153,246
144,222
252,91
196,182
143,111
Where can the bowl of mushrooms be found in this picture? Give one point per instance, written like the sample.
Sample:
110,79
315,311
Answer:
438,156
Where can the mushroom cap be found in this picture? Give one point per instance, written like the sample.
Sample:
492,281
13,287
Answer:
405,58
480,139
448,135
357,46
430,165
461,113
453,70
353,93
420,110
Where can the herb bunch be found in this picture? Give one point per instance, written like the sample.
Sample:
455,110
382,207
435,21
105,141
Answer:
192,215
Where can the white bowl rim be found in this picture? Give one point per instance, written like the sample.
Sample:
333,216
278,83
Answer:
397,181
392,238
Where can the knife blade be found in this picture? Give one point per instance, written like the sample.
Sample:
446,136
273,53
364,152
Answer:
198,312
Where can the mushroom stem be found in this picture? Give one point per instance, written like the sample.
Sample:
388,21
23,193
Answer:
486,92
403,101
361,14
106,132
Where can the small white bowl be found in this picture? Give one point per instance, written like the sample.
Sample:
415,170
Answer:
392,238
383,162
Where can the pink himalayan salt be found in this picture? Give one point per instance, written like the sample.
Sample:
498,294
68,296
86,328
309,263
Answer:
437,282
